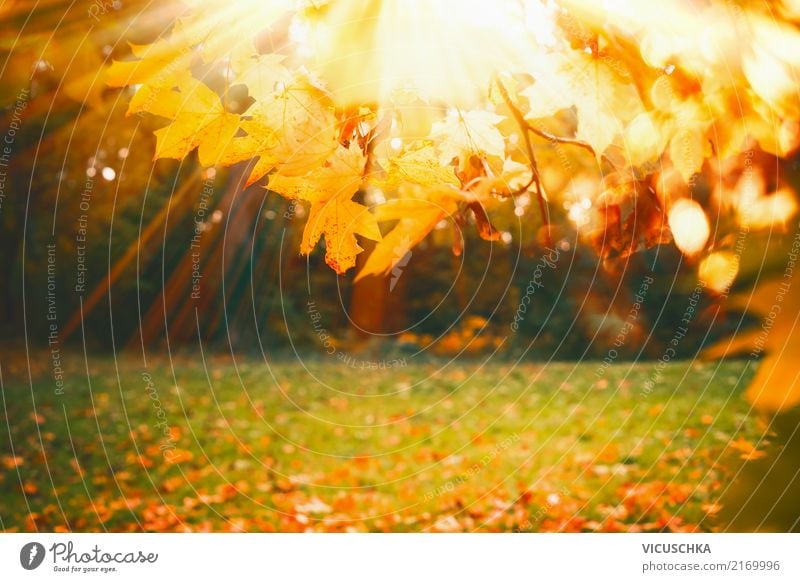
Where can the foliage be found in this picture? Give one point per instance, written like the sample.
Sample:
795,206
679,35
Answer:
599,124
487,449
651,110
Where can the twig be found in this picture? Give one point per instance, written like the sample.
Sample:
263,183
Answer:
559,139
525,128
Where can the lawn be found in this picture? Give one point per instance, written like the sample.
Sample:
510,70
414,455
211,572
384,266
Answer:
320,446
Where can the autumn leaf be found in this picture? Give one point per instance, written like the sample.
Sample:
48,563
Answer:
485,228
339,219
286,77
513,177
421,166
263,75
157,64
687,152
341,176
463,134
683,125
605,99
159,68
643,227
330,190
429,193
291,127
198,121
416,217
776,385
644,140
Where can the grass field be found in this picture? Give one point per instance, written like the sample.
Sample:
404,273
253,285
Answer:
226,446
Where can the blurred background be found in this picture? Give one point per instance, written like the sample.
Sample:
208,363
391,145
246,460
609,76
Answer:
105,251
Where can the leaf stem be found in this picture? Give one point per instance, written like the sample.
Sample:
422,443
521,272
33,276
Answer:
526,128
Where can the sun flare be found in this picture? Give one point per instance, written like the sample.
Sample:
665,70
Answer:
446,51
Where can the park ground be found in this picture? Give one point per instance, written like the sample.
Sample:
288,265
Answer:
216,444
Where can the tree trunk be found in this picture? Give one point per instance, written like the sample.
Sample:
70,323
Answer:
368,301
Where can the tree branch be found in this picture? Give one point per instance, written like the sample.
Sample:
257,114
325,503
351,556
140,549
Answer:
559,139
525,128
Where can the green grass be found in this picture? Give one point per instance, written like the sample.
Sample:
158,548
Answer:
327,447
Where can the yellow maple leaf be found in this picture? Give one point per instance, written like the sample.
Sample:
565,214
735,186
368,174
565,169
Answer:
340,176
159,68
339,219
330,189
417,212
156,64
514,175
264,75
291,128
605,99
421,166
464,133
199,120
